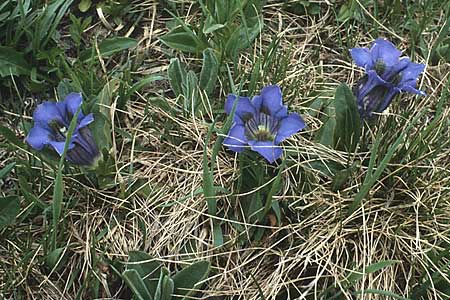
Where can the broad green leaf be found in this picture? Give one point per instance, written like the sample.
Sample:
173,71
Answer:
190,91
340,179
12,63
177,76
84,5
143,82
147,267
5,171
54,259
9,209
183,39
241,38
187,279
102,113
326,132
210,69
109,47
348,126
165,287
136,284
354,277
212,28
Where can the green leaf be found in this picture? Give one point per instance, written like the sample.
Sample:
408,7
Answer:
136,284
12,63
5,171
165,286
177,75
58,190
190,91
9,209
326,132
371,178
340,179
183,39
109,47
241,38
208,188
348,126
385,294
84,5
187,279
210,69
354,277
54,259
212,28
143,82
274,189
147,268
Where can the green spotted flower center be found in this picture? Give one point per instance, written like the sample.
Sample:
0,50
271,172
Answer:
380,67
262,127
59,130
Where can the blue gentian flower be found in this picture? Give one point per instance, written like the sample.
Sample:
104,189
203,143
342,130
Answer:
261,123
387,74
51,123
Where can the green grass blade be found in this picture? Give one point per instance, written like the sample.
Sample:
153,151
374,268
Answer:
370,179
58,191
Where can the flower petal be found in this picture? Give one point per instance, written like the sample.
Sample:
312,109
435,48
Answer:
409,87
88,119
38,137
267,149
69,107
386,100
236,139
244,108
73,102
59,146
289,126
272,100
384,50
361,56
411,72
46,112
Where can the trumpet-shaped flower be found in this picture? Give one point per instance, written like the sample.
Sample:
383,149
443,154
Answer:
51,124
387,74
261,123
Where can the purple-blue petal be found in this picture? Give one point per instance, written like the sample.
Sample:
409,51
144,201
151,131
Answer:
272,100
59,146
384,50
410,88
38,137
244,108
267,149
46,112
236,139
361,56
70,106
73,102
289,126
88,119
386,100
411,72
